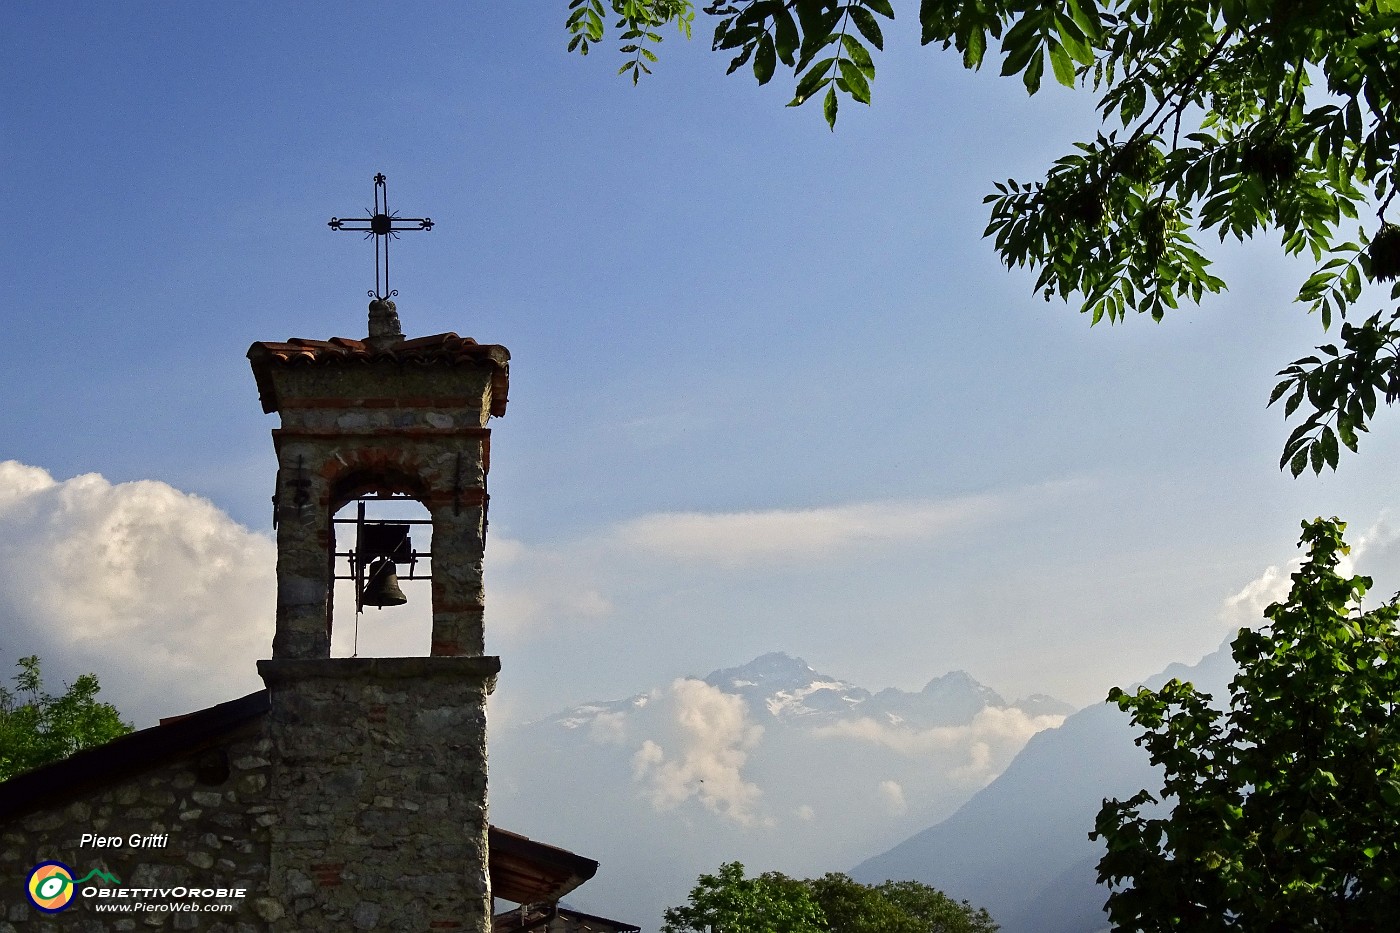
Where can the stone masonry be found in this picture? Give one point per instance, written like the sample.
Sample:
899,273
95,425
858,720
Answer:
381,785
213,809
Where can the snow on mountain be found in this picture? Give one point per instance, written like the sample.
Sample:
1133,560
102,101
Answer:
778,687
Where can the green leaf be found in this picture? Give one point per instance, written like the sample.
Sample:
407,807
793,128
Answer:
868,26
1086,17
785,35
855,81
1329,447
829,107
1060,61
1034,70
975,49
738,61
1299,462
815,77
1347,433
859,56
1073,40
1019,56
765,59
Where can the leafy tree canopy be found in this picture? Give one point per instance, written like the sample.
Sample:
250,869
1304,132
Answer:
775,903
37,728
1233,117
1279,813
728,902
936,911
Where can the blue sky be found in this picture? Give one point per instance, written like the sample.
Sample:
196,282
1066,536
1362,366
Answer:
770,389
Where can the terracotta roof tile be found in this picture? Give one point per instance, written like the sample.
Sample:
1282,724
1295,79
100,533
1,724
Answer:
437,349
444,348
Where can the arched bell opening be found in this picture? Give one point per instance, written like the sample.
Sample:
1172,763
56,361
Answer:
380,536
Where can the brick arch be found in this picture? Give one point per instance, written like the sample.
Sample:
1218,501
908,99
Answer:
443,473
353,485
376,470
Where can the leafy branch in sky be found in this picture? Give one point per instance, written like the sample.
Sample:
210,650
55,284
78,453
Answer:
1230,117
637,23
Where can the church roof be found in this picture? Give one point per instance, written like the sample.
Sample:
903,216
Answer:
530,872
539,917
522,870
438,349
131,754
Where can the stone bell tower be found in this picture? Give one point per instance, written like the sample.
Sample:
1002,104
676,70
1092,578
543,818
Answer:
379,778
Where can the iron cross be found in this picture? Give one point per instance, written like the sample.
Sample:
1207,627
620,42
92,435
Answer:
383,226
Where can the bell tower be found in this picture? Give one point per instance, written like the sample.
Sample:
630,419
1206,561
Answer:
390,416
379,777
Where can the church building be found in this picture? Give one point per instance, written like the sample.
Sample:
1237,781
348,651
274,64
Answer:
351,793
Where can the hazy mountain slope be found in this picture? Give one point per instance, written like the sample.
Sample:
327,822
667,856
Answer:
1020,846
1019,834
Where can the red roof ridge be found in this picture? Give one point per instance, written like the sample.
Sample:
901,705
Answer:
447,349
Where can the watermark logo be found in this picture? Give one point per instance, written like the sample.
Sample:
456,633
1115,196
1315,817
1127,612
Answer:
51,885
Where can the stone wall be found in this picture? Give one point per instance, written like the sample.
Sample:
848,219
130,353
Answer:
381,786
210,815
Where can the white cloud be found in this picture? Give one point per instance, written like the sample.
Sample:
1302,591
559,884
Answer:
535,588
893,796
531,589
777,534
979,748
593,579
979,767
1246,608
168,600
805,813
712,740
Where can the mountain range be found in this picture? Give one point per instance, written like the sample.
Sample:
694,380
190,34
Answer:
770,763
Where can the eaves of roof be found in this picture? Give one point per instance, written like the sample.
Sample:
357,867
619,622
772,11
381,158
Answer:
130,754
436,350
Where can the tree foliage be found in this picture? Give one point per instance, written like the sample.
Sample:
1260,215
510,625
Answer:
1280,812
38,728
775,903
730,903
1231,117
894,907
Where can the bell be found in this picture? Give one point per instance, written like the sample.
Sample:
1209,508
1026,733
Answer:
382,586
